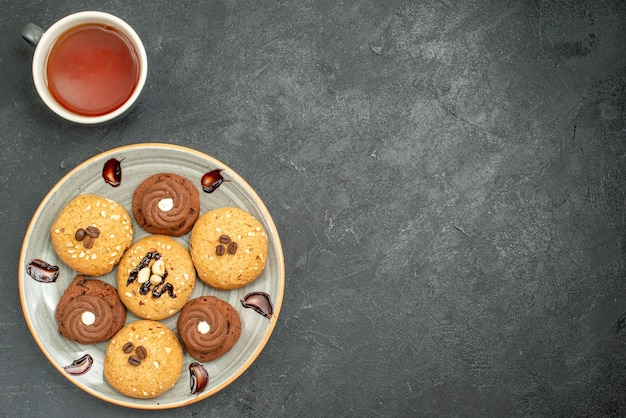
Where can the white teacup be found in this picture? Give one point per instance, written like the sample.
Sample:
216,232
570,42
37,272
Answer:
52,91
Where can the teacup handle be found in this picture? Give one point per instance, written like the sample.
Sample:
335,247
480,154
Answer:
32,33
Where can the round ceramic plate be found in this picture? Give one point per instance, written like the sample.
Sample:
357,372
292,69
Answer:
138,162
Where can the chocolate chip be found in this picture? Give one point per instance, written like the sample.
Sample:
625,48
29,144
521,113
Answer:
199,377
80,234
232,247
92,231
220,250
80,366
88,242
141,352
128,347
134,361
42,271
211,180
260,302
224,239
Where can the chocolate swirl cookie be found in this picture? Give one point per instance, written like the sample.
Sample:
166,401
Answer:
209,327
166,204
89,311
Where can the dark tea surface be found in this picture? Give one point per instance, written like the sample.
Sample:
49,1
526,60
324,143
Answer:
92,69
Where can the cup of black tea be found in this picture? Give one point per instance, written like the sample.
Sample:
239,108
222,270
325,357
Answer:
89,67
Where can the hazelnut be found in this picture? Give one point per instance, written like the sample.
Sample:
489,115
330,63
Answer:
158,267
143,275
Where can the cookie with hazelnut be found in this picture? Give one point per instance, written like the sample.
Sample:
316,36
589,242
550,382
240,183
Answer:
155,277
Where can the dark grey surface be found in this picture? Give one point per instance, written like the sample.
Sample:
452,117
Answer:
448,181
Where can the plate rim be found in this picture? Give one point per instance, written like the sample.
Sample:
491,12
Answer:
276,300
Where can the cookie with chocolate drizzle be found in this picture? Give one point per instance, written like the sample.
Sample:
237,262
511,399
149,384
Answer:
155,277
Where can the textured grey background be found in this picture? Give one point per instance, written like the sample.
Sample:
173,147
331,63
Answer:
448,179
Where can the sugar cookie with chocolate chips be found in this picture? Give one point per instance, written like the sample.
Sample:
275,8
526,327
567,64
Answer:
143,360
91,233
228,247
155,277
